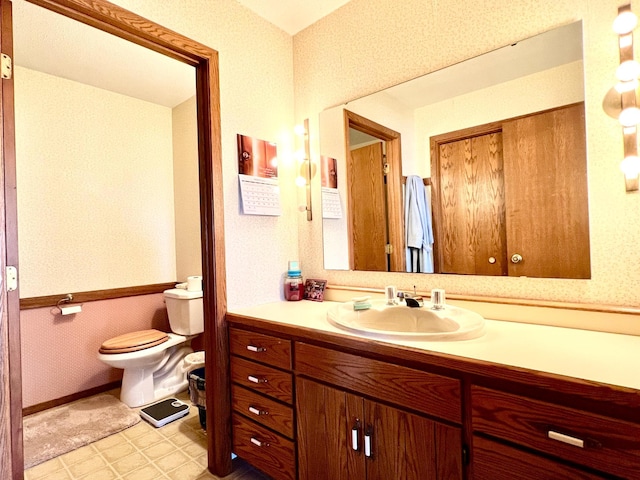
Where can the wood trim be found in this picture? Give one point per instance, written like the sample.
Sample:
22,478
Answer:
108,17
91,296
15,466
70,398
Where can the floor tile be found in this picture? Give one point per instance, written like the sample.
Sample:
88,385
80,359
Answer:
176,451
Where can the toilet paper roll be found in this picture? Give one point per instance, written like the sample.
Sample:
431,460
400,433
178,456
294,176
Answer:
70,309
194,283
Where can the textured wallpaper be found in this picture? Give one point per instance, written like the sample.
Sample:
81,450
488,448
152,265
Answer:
95,187
256,99
368,45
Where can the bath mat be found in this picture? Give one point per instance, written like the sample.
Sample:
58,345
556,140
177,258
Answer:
62,429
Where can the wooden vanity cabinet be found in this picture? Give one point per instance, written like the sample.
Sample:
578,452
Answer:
344,434
262,402
326,397
573,436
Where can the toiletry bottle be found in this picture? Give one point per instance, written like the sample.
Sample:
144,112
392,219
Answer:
293,287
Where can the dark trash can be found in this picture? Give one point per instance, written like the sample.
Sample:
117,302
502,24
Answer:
197,394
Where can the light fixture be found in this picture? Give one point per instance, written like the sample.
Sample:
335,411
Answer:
305,171
625,22
621,101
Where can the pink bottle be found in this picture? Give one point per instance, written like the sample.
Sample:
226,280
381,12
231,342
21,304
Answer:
293,286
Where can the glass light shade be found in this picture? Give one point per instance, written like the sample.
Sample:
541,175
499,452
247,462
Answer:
627,71
300,156
625,22
630,166
299,130
301,181
629,117
627,86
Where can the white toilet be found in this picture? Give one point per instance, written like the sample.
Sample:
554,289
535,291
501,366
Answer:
154,361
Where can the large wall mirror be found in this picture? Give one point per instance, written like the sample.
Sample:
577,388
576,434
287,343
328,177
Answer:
489,155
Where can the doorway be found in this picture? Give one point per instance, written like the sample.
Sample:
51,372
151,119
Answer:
124,24
374,180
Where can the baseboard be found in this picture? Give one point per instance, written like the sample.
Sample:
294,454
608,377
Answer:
70,398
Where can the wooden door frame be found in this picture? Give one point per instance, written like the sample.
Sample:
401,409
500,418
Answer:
113,19
392,142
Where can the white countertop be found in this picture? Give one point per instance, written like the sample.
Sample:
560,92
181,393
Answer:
595,356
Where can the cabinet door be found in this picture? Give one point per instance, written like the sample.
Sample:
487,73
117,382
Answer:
471,219
410,447
326,417
545,174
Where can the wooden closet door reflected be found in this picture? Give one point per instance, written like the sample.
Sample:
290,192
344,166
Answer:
472,236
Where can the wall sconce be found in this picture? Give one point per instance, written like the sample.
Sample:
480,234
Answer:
621,102
306,169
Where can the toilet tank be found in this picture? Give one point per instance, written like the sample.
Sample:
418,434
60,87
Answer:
185,311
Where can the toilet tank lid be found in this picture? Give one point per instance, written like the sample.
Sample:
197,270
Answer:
182,293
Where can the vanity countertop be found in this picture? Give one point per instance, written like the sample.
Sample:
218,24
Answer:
593,356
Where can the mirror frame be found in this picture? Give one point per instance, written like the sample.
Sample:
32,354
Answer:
118,21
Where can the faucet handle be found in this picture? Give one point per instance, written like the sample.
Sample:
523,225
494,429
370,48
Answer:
437,298
390,294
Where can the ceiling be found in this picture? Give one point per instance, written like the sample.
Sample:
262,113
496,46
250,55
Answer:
47,42
293,15
53,44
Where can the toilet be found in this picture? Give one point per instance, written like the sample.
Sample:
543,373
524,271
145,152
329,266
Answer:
153,361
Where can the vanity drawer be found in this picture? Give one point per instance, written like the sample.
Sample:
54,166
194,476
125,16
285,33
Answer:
261,378
500,462
263,449
262,348
407,387
603,443
263,410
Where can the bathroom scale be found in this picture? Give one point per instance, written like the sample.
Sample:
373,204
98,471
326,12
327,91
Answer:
165,411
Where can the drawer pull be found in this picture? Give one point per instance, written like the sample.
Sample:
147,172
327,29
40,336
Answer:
253,348
576,442
254,379
257,442
355,433
367,442
257,411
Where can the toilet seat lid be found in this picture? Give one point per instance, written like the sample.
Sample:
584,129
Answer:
134,341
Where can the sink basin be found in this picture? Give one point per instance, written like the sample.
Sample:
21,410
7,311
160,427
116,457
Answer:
402,322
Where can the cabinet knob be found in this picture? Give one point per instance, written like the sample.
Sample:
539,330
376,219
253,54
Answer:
355,433
492,260
516,258
254,379
257,411
368,433
259,443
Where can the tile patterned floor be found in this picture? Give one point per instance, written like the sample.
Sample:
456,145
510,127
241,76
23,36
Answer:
177,451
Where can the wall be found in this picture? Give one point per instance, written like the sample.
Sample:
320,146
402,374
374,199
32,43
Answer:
256,82
351,53
59,354
186,191
95,188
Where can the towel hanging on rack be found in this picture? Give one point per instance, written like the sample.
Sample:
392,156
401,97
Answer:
419,232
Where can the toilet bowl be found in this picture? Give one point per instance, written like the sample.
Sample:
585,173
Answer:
153,361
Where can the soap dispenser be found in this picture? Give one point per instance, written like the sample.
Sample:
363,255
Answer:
293,287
